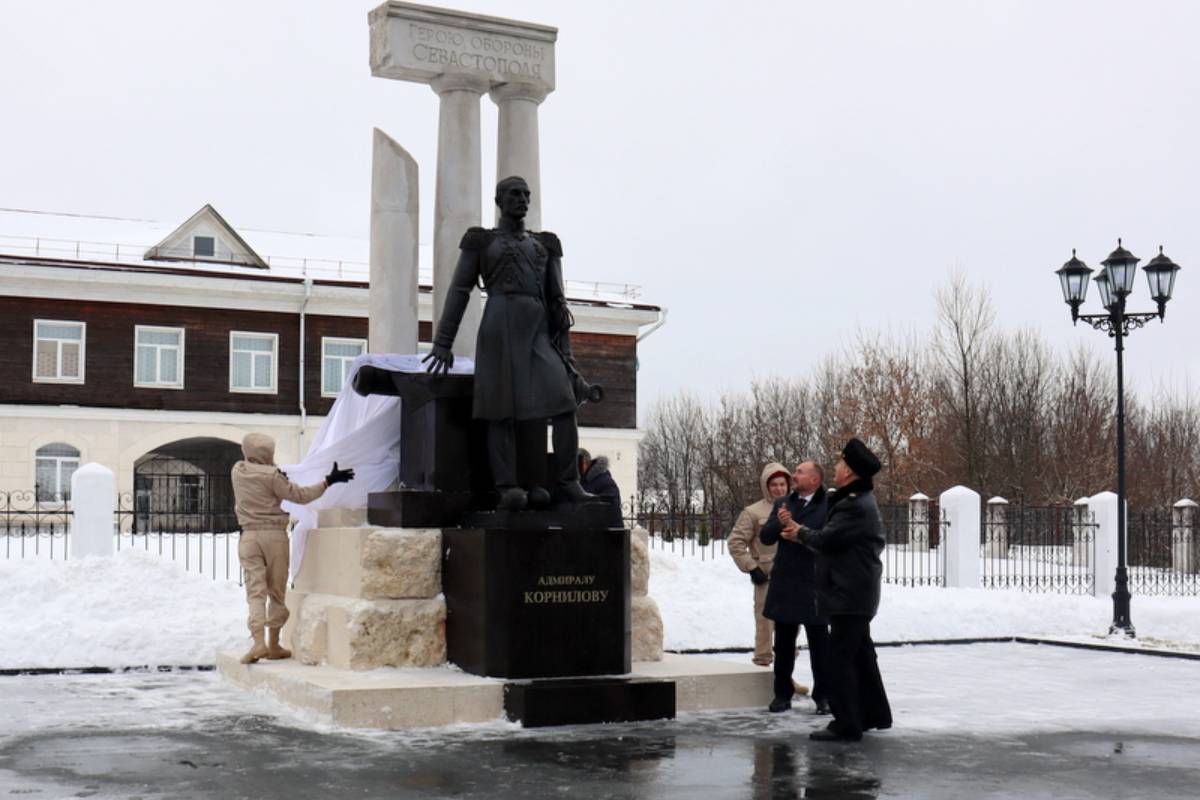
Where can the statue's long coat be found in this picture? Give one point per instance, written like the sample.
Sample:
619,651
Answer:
519,373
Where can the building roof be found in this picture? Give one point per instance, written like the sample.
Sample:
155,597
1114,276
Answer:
228,245
66,239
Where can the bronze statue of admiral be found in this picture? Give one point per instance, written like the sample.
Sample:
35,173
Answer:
524,369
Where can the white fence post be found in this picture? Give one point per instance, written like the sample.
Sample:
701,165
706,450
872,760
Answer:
961,506
1184,557
93,497
1081,533
918,522
1104,567
995,535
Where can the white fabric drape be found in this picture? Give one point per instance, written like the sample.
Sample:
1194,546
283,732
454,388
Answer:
362,433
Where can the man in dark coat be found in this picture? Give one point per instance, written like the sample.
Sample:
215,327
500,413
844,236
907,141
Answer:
596,479
791,594
524,369
849,574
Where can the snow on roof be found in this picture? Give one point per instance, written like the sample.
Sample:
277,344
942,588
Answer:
320,256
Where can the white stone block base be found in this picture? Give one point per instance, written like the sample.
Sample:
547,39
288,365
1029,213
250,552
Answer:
396,699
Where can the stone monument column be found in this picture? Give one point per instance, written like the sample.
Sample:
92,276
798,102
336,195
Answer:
392,299
461,56
517,140
458,202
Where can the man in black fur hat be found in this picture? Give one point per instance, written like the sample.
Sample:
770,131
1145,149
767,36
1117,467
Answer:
849,574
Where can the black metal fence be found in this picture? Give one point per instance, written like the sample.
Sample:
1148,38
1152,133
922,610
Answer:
202,540
208,546
1038,548
31,528
914,555
1162,555
687,531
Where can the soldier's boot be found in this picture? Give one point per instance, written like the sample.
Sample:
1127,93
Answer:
275,651
257,650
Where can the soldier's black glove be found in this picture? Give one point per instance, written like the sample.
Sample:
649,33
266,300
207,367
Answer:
339,475
758,577
440,359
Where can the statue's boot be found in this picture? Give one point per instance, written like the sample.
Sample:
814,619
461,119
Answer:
257,650
276,651
574,492
564,433
512,499
539,497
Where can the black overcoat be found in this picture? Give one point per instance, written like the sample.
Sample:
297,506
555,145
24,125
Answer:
791,594
523,344
849,571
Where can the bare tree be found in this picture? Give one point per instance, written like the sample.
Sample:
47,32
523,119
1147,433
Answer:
1081,448
964,323
1017,379
670,460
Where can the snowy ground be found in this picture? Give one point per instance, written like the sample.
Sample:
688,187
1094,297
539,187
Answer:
985,720
981,721
137,608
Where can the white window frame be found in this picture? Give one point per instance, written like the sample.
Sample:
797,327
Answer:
274,388
215,242
58,367
345,361
64,492
158,384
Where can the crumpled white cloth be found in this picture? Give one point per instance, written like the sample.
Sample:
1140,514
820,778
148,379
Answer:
362,433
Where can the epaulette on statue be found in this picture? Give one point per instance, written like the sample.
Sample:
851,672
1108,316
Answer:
550,242
476,239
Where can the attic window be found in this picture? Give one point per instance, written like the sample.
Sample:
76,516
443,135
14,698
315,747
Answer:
204,246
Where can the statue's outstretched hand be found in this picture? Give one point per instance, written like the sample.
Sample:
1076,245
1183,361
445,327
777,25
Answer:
440,359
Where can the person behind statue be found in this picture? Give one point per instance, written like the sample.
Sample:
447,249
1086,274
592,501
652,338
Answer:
755,558
792,593
595,479
849,574
258,488
524,368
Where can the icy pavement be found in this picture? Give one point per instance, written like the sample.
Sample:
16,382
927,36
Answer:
979,721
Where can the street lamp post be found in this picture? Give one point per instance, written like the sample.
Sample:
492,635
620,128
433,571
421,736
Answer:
1115,283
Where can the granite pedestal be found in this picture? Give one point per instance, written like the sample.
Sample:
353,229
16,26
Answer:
534,603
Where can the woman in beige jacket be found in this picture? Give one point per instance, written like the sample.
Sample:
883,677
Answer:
755,558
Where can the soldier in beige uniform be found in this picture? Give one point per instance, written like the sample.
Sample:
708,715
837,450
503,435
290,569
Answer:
258,488
755,558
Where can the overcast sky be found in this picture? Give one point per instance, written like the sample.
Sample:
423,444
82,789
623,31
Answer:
775,174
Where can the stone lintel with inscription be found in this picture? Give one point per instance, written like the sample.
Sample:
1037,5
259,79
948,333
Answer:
411,42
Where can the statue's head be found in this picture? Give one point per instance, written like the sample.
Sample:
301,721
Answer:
512,197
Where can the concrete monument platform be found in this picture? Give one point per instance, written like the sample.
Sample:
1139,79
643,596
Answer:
399,698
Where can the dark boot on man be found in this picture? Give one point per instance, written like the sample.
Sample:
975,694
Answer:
834,734
276,651
780,704
822,707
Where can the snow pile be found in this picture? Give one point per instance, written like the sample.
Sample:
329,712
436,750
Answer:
138,608
709,604
130,609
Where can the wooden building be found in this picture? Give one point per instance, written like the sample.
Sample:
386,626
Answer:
156,360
